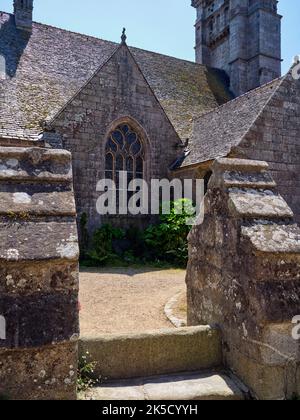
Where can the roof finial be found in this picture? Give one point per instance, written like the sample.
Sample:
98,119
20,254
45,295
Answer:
124,37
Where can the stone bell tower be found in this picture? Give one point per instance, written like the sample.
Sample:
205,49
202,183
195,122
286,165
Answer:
242,37
23,14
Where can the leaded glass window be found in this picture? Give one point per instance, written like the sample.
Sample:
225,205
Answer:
124,152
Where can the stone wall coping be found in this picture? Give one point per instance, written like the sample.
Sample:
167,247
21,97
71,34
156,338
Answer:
37,204
203,329
274,238
244,165
23,176
258,204
36,154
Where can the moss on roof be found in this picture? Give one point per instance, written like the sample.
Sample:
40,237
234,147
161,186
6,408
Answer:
46,69
218,131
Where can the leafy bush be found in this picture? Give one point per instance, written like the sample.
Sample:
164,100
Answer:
164,242
168,239
102,244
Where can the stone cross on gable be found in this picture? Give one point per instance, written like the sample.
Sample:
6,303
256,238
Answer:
124,37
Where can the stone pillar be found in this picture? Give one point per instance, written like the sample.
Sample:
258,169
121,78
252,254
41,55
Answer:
38,275
244,275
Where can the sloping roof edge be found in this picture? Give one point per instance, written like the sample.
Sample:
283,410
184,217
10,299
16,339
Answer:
50,121
282,79
217,109
153,93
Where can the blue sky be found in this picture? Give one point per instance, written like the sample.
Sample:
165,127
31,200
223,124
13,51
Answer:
157,25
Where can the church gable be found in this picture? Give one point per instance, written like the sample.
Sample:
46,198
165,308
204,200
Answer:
121,81
117,95
116,91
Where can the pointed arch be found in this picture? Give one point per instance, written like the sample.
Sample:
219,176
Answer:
128,144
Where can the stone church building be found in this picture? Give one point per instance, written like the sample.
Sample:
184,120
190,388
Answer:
117,107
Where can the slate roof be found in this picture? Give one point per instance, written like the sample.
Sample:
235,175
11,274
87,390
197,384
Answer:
218,131
46,69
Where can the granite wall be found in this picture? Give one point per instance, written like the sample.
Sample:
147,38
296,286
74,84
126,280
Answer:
244,275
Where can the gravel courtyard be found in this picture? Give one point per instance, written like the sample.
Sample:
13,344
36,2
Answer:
117,300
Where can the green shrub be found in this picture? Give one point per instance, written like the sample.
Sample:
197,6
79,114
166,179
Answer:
135,237
102,244
159,244
167,241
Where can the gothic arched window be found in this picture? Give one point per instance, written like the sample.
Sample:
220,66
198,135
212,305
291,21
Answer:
124,152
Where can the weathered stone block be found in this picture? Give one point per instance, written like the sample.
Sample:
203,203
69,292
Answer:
39,319
44,373
37,204
26,278
23,241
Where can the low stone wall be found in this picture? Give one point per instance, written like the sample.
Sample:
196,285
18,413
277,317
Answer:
126,356
244,275
38,275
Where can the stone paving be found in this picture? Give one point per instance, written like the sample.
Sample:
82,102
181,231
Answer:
183,387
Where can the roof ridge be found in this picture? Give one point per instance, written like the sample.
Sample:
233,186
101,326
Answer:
116,43
171,56
46,25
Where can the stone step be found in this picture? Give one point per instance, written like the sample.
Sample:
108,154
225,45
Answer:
154,353
180,387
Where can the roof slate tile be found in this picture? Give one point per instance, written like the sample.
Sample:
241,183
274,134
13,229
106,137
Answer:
46,69
218,131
